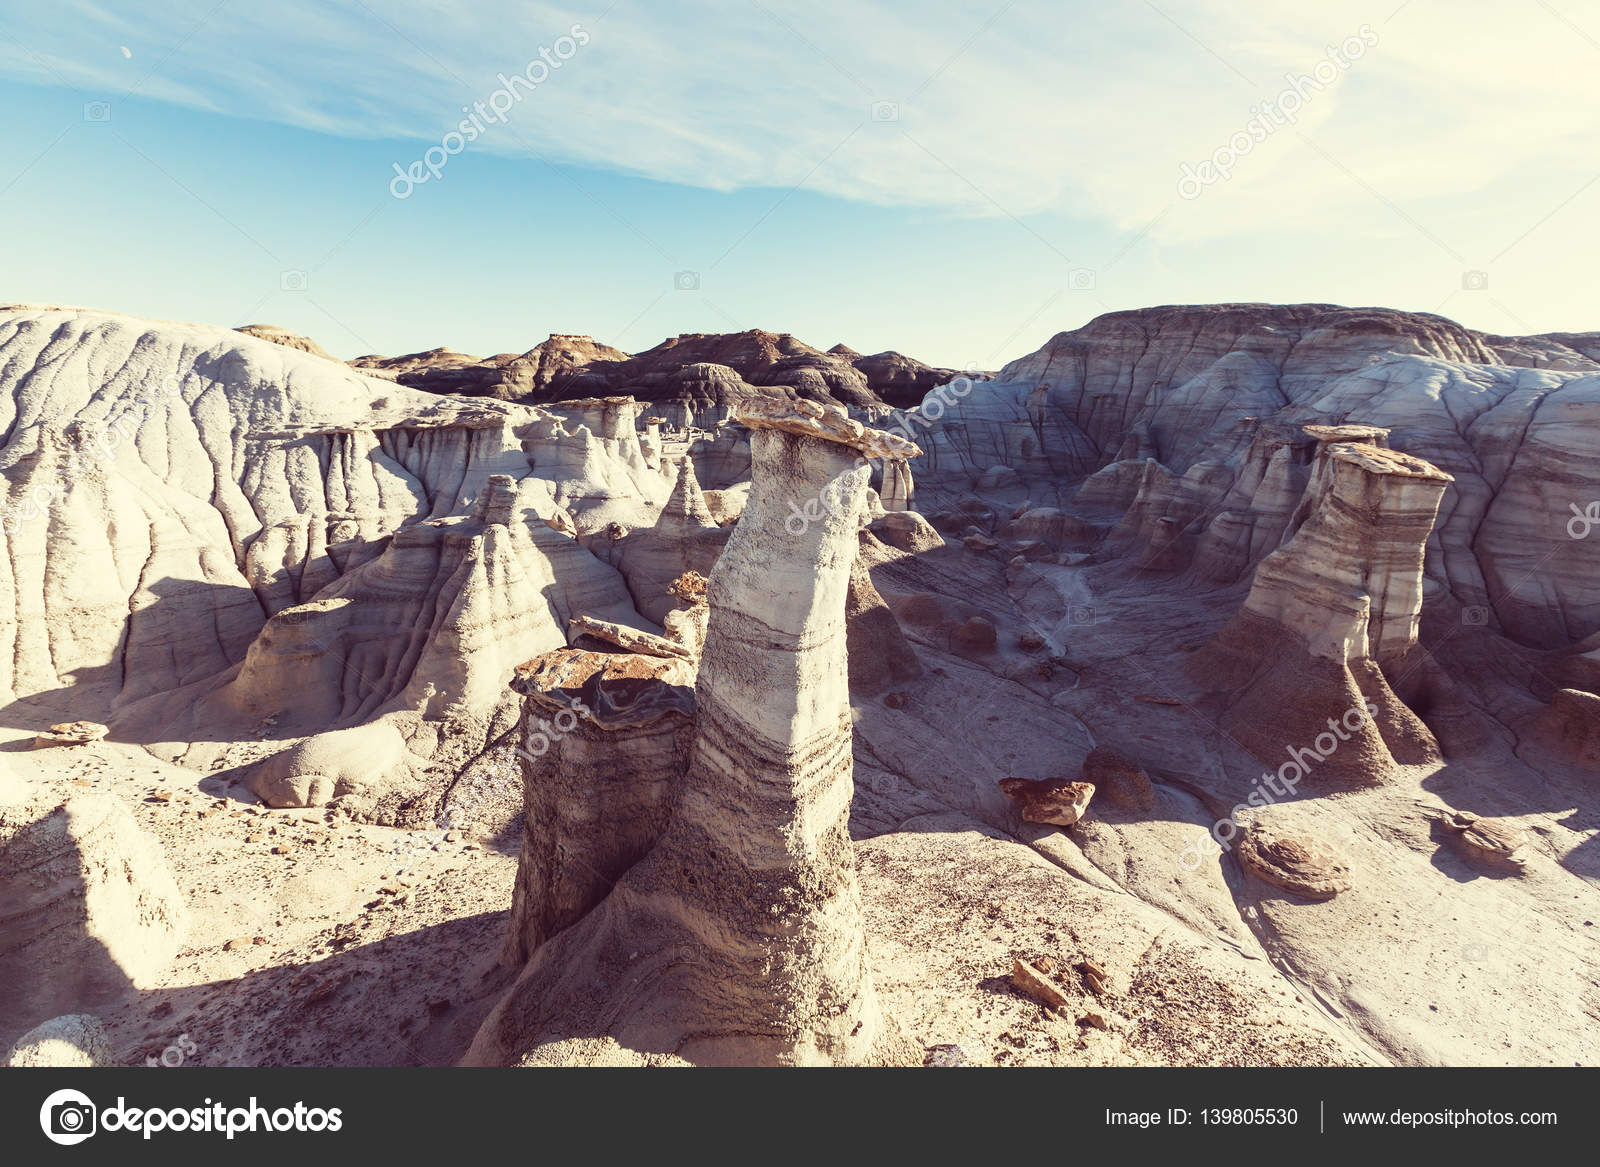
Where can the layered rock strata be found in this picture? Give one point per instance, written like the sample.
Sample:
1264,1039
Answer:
1328,612
738,938
604,742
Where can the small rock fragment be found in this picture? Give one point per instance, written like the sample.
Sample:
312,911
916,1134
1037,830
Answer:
1491,842
1095,978
976,635
71,733
1298,863
1049,800
1031,982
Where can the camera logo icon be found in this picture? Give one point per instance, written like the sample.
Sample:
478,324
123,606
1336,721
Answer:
1475,281
97,111
885,111
68,1117
1081,279
1080,615
686,281
293,280
1475,616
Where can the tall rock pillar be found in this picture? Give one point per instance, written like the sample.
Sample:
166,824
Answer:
739,938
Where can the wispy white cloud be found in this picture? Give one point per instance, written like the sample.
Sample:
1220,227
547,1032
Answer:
1021,108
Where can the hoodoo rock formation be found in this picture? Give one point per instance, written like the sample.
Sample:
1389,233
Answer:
604,740
738,938
1330,610
409,674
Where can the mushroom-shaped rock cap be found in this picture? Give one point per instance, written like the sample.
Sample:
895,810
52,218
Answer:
690,587
614,690
1376,460
1374,435
597,402
811,420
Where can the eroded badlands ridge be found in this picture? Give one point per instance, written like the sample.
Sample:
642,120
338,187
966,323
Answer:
1312,585
692,377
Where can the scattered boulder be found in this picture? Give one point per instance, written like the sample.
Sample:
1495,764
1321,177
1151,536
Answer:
907,531
923,609
1029,980
314,772
1296,862
1493,843
1048,800
72,733
690,587
75,1041
977,635
1573,724
1119,779
1095,977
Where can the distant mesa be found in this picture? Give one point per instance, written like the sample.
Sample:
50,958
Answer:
695,371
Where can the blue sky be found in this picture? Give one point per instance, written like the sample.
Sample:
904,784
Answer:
958,181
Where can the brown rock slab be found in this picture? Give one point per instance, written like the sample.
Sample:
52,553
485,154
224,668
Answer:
1298,863
1032,982
71,733
1048,800
690,587
1491,842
